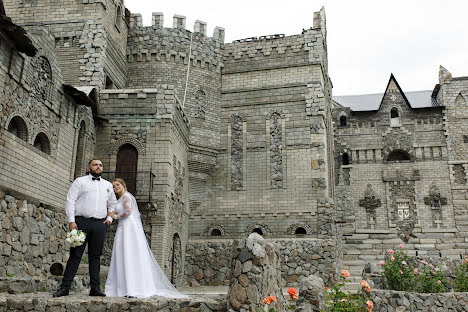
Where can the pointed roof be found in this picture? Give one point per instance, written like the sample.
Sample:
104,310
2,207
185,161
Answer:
372,102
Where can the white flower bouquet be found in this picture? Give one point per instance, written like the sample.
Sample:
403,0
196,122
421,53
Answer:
76,237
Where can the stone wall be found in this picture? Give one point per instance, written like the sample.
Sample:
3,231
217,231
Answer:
209,262
32,237
272,164
391,300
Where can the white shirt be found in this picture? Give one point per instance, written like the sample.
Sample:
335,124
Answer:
90,199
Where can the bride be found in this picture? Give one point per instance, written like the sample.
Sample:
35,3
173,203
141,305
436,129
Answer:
133,270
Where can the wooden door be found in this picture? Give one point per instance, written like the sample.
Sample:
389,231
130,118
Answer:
126,169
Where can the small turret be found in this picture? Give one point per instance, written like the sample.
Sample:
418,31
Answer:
157,20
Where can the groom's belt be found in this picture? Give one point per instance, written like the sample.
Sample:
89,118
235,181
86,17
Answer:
90,218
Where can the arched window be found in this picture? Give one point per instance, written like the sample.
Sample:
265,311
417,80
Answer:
258,231
343,121
118,17
41,142
345,159
18,127
398,155
215,232
80,148
126,168
394,117
300,231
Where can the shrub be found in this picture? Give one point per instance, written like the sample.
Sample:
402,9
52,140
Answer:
461,276
339,301
399,270
430,279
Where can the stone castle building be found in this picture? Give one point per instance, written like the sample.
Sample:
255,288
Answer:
218,140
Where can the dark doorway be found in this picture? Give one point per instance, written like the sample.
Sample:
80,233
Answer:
126,168
258,231
215,232
343,121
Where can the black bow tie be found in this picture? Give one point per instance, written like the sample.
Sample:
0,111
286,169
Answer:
96,178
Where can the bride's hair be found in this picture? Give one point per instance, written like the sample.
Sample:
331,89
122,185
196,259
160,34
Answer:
121,181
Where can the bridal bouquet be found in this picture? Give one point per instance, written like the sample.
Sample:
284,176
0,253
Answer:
76,237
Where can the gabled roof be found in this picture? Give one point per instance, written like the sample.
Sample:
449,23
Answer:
372,102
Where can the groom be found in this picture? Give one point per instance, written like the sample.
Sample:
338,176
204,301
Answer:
88,201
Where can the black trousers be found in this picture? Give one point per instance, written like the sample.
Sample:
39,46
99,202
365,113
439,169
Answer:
95,230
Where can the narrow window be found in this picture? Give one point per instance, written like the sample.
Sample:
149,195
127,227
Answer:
394,118
343,121
118,17
345,159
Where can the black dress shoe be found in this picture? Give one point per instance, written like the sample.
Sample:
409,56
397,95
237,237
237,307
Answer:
61,292
96,292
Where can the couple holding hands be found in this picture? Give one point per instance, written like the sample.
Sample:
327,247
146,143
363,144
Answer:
92,205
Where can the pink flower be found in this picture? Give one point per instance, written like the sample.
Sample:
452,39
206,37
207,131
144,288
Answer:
415,271
345,273
424,262
370,305
437,269
401,272
382,263
392,258
402,246
403,262
390,251
439,282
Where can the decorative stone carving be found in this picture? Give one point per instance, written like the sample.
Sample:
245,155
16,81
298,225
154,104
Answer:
403,207
436,201
175,261
293,227
237,153
27,3
276,152
398,139
218,227
370,203
178,206
200,104
121,136
459,174
263,227
42,78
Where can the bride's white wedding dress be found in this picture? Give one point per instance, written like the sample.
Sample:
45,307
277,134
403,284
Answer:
133,269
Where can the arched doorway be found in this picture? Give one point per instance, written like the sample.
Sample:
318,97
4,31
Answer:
126,168
176,260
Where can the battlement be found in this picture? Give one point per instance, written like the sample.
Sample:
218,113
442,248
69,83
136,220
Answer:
174,45
178,22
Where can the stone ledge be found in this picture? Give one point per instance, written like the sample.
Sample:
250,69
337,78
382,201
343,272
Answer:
81,302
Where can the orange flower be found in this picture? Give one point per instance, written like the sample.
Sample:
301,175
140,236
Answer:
293,294
345,273
266,300
326,288
364,284
370,305
272,298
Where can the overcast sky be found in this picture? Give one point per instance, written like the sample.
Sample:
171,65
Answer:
367,39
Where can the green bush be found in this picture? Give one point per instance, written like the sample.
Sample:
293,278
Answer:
337,300
461,277
399,270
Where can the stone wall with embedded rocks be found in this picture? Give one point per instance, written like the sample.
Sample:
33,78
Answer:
210,262
32,238
256,274
391,300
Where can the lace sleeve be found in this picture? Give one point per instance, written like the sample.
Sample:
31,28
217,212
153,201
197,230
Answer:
127,203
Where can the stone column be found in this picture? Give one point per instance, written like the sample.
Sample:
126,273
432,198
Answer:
256,274
311,294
